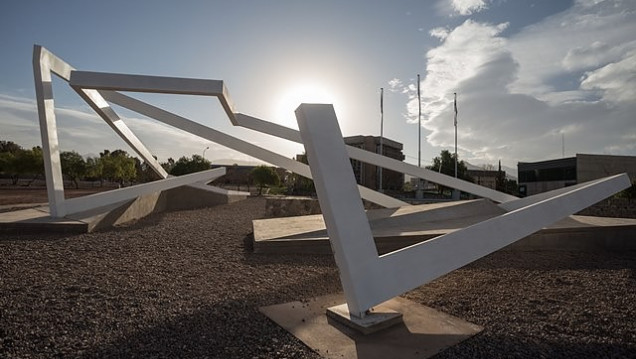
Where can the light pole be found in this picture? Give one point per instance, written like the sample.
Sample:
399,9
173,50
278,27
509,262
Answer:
205,149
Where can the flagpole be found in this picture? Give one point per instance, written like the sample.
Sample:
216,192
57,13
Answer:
419,123
381,133
455,93
419,194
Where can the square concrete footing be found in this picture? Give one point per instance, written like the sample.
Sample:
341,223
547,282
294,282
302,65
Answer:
423,332
377,319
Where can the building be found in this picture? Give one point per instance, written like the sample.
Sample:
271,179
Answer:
368,175
487,178
537,177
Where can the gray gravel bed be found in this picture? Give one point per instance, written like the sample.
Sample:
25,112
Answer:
182,284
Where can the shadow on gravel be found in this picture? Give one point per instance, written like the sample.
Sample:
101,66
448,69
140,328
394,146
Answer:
227,329
492,346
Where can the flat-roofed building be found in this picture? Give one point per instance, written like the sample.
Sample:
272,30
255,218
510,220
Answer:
368,175
543,176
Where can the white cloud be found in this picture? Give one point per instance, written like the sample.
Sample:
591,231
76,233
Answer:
589,35
570,76
468,7
617,80
461,55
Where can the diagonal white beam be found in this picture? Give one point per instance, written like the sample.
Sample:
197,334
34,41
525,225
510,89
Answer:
378,160
526,201
413,266
101,107
233,143
347,224
101,199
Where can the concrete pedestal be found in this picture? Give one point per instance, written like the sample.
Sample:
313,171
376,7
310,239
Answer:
423,332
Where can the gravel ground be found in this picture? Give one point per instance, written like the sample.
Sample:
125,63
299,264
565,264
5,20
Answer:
182,284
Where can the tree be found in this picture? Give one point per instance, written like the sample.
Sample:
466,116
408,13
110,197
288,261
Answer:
187,165
16,161
264,176
445,163
29,162
169,165
301,185
8,165
94,170
118,166
145,173
9,146
73,166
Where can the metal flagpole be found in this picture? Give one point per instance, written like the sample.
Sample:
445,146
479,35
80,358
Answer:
419,194
455,134
381,135
419,123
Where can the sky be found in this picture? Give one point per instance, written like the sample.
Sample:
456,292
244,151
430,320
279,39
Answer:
535,80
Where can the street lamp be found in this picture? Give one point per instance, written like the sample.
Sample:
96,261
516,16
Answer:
205,149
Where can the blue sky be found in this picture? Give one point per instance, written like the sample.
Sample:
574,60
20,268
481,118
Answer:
528,74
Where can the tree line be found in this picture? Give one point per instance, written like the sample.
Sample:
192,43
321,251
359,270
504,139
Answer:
116,166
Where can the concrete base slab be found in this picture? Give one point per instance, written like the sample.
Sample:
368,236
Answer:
38,220
423,333
397,228
377,319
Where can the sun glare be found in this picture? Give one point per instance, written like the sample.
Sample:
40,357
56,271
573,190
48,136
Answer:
292,98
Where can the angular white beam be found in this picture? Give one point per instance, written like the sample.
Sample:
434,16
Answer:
101,199
45,62
340,204
378,160
154,84
368,279
526,201
233,143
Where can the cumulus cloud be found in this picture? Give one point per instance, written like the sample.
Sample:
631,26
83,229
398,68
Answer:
570,76
590,35
464,51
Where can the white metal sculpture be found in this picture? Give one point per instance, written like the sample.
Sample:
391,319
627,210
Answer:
369,279
96,88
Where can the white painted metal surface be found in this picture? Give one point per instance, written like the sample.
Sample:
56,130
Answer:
102,199
45,62
369,279
233,143
154,84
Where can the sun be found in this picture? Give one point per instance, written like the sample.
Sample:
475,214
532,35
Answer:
291,98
